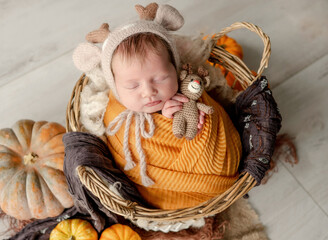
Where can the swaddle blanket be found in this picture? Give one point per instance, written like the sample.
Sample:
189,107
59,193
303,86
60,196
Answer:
186,173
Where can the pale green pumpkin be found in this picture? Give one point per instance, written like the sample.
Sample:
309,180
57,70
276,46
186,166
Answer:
32,182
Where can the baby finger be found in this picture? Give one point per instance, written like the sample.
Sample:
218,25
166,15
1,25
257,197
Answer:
180,98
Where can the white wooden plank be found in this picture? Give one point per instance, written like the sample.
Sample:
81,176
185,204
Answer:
35,32
293,26
39,95
42,94
286,210
4,234
303,101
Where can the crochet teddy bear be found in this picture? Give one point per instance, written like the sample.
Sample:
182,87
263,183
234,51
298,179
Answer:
192,86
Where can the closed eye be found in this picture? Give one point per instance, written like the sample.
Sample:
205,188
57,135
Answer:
132,87
161,79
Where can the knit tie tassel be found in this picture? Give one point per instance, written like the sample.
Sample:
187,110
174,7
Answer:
140,119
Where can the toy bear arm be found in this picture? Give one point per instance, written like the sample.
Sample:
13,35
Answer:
206,109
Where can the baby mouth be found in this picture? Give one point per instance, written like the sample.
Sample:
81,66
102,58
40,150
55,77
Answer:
151,104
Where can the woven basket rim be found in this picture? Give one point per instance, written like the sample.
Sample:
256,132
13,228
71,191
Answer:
133,211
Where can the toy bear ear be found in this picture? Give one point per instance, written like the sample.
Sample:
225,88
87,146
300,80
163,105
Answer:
187,67
86,57
169,17
202,71
207,81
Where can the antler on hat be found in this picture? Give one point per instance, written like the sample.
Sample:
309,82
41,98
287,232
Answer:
148,12
99,35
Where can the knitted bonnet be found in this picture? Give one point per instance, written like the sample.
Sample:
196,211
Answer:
156,19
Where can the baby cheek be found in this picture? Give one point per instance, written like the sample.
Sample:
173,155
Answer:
174,88
131,99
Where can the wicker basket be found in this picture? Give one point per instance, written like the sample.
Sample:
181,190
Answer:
133,211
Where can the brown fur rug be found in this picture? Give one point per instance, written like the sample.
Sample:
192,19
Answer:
238,222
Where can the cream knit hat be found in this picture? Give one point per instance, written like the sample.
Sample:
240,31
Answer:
156,19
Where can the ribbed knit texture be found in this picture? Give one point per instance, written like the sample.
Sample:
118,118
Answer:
186,173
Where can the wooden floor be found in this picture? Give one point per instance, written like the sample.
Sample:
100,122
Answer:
37,76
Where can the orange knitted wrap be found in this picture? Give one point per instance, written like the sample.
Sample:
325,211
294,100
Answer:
186,173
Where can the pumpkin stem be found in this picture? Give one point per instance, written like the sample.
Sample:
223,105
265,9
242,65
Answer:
30,158
71,238
223,46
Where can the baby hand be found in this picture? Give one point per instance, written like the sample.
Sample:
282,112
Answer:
201,121
174,105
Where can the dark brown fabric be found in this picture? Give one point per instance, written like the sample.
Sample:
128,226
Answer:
84,149
259,121
41,229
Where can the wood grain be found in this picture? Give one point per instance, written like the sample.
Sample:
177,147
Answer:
36,32
303,102
286,210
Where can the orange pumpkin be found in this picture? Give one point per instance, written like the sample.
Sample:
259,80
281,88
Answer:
119,232
32,182
73,229
232,81
230,45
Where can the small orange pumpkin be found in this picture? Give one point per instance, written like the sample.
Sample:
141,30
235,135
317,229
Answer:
32,182
232,46
232,81
119,232
73,229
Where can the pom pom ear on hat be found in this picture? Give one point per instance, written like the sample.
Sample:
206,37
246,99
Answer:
169,17
86,57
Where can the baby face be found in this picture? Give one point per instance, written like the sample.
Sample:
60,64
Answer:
144,85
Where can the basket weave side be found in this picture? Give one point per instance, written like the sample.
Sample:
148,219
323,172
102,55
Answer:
215,205
134,212
234,64
73,107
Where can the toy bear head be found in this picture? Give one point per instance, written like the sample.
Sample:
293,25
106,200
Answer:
192,85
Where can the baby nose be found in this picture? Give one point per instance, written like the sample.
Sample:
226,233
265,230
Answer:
148,91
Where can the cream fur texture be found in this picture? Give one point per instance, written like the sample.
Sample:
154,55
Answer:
170,226
94,100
